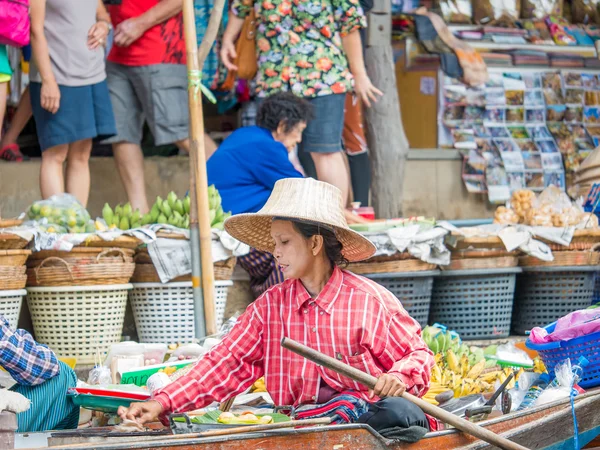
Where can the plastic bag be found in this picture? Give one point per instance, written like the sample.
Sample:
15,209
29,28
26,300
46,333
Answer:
538,9
571,326
187,351
60,214
489,11
511,354
456,11
99,375
525,382
565,379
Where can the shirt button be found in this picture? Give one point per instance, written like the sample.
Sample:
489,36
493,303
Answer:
314,329
321,313
306,311
314,397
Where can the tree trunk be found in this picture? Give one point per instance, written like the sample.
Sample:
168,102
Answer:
387,141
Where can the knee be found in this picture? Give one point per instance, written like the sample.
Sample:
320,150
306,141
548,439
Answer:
327,158
79,157
55,155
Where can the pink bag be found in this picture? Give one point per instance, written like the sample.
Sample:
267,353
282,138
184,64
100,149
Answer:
14,22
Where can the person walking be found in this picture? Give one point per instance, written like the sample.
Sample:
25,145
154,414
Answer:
69,95
314,50
147,79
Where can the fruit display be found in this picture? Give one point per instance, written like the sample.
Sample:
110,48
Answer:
60,214
461,369
246,418
170,211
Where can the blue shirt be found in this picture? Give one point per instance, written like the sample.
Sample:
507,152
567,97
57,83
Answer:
246,167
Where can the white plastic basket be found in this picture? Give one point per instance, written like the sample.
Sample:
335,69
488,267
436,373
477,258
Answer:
164,313
78,321
10,305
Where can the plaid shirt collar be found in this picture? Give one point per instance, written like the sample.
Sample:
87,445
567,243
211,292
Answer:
326,297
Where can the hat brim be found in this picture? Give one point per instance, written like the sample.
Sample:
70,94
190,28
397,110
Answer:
255,230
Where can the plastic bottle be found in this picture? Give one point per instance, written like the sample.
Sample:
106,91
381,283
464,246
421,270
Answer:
534,392
577,370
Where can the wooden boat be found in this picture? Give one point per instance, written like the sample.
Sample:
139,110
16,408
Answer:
549,427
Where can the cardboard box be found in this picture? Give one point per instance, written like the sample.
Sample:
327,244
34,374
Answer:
140,376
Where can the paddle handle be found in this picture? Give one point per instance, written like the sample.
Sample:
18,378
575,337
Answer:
370,381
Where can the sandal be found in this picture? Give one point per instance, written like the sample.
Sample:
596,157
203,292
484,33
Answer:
12,152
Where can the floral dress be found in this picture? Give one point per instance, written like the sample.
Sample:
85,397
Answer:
299,44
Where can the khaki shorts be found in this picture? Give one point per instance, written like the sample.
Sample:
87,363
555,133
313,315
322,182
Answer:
156,94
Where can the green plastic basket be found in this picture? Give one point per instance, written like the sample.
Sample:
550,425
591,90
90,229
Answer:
97,403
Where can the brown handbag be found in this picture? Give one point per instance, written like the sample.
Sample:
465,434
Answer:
245,48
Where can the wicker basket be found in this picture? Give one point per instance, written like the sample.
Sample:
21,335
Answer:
77,322
482,263
493,253
8,223
460,242
9,241
121,242
83,255
589,257
61,273
408,265
14,257
580,237
146,273
15,283
7,272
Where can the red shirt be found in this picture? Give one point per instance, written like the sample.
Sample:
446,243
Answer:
161,44
353,319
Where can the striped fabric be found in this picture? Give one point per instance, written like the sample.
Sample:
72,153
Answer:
51,409
263,271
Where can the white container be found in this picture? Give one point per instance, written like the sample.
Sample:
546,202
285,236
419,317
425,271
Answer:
78,321
165,312
10,305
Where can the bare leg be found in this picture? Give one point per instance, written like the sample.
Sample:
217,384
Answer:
331,168
3,94
19,120
209,145
78,170
130,164
52,181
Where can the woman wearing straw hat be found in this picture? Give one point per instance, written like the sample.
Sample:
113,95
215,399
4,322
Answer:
334,311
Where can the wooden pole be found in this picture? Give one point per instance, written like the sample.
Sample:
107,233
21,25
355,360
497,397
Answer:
203,278
370,381
387,141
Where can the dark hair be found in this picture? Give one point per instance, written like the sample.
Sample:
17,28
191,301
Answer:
333,247
283,107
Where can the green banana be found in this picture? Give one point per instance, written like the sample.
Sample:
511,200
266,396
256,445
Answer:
107,214
186,222
187,204
147,219
166,209
136,216
179,207
154,213
118,211
124,224
211,216
127,210
162,219
135,225
218,225
435,346
172,198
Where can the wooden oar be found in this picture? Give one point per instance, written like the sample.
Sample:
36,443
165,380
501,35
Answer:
370,381
214,433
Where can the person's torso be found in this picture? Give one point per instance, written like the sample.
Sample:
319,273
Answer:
161,44
230,169
346,327
300,49
66,27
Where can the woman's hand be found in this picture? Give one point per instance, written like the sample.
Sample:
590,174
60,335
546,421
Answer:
129,31
365,90
354,218
141,412
388,386
98,34
228,54
50,96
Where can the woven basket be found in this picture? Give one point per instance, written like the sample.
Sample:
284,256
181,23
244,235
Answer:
460,242
589,236
61,273
7,272
83,255
9,241
14,257
8,223
570,258
409,265
18,282
146,273
482,263
470,254
121,242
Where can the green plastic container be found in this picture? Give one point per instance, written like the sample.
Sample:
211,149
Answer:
96,403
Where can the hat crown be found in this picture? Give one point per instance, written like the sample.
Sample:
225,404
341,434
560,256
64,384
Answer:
308,199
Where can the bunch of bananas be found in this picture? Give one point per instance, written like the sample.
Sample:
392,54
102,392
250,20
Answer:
124,217
259,386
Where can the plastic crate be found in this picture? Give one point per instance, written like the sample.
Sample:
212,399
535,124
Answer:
554,353
78,321
596,296
10,305
164,313
545,294
413,289
477,304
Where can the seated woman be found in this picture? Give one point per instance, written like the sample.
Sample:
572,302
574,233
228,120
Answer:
247,165
334,311
39,377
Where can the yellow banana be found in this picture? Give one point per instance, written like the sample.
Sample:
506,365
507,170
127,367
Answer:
452,361
464,365
436,373
476,369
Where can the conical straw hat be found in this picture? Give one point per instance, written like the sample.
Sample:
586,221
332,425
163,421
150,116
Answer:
303,199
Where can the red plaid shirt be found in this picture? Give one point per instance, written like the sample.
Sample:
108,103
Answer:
353,319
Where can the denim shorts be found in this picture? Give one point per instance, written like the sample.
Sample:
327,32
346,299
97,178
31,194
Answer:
323,134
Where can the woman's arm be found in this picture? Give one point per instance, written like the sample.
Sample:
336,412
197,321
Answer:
228,53
50,96
99,31
363,87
